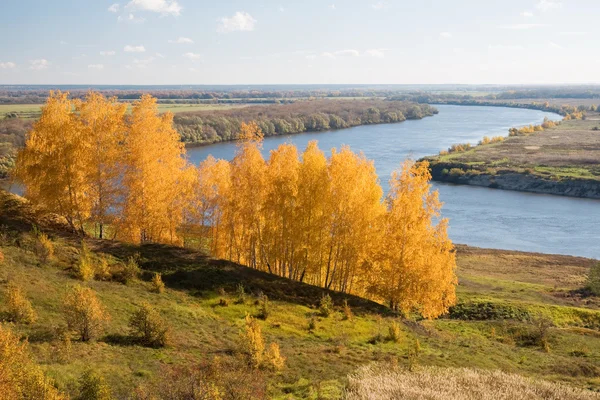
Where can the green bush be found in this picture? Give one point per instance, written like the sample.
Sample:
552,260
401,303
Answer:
93,387
325,306
483,311
148,327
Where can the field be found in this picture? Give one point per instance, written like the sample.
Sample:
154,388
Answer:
570,150
518,312
32,111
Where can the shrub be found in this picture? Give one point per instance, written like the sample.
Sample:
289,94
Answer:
264,308
102,270
85,266
347,311
223,302
482,311
131,269
148,327
593,280
19,308
158,285
312,324
64,346
394,332
274,358
325,306
252,343
21,378
454,172
459,147
43,248
84,313
93,387
240,293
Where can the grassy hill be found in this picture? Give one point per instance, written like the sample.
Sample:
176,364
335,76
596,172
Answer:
519,312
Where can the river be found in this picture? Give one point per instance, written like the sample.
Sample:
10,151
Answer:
478,216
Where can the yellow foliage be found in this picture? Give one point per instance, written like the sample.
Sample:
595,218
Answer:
274,357
20,377
44,248
84,313
252,342
158,285
85,267
19,308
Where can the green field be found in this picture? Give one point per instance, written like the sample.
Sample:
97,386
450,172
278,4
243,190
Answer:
504,298
32,111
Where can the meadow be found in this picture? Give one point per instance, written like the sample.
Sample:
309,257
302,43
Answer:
521,313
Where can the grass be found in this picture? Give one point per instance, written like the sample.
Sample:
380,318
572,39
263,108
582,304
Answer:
569,151
317,361
32,111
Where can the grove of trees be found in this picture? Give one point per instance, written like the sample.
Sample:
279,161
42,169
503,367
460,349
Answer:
309,217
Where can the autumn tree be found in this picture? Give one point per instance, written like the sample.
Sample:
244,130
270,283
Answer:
84,313
155,179
416,267
102,126
52,166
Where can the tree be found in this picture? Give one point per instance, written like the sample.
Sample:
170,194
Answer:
92,386
52,166
19,308
84,313
416,268
102,127
148,327
593,280
155,180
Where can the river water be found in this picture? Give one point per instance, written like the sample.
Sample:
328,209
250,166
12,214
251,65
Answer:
478,216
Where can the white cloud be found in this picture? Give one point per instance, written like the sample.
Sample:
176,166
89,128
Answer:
134,49
142,63
547,5
39,64
240,21
164,7
97,67
446,35
555,46
327,55
573,33
159,55
523,26
349,52
379,5
181,40
114,8
7,65
527,14
107,53
130,18
281,9
379,53
63,43
332,6
504,47
192,56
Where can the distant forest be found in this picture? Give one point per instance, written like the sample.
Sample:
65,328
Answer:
203,127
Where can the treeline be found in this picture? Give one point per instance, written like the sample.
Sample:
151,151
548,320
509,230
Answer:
205,127
306,217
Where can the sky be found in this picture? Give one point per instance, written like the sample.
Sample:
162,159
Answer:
144,42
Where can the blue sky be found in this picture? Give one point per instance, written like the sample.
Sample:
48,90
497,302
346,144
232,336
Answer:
309,41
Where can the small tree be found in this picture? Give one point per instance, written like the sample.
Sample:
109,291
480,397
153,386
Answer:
84,313
93,387
252,342
102,270
593,280
325,306
131,269
264,307
19,308
148,326
85,265
158,285
240,294
394,332
43,247
347,311
274,358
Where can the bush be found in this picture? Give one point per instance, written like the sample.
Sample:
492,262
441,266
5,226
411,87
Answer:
264,308
274,358
347,311
252,343
158,285
240,293
43,248
593,280
93,387
148,327
483,311
325,306
102,270
312,324
394,332
131,269
21,378
85,266
84,313
19,308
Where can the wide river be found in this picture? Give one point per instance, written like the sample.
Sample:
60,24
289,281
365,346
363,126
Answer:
478,216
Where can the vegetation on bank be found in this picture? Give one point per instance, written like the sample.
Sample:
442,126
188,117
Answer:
518,312
297,117
551,151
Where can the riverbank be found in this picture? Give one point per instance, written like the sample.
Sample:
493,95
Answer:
560,160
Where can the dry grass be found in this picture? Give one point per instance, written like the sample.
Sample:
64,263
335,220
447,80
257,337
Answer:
375,382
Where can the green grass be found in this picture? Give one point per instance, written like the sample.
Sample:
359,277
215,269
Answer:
318,361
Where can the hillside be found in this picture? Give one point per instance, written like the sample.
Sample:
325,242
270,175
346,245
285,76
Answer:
519,312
